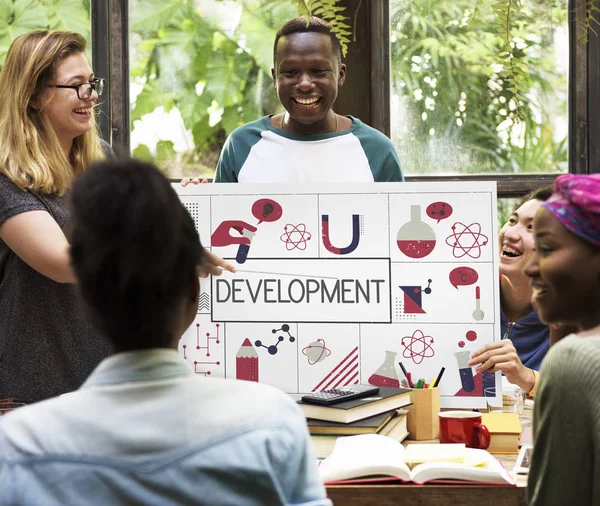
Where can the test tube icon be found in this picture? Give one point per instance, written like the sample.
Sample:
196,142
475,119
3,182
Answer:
466,373
246,362
244,249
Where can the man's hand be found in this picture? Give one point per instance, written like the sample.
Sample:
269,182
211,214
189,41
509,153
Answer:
186,180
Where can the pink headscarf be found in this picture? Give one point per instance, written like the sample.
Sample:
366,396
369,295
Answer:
576,204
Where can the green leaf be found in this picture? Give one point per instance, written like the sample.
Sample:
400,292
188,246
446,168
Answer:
155,14
142,152
165,152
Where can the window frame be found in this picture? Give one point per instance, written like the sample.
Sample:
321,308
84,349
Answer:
366,93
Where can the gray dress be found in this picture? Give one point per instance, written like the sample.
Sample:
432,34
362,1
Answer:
47,345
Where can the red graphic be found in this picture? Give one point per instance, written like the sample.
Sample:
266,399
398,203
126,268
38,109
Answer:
386,375
343,374
357,219
476,392
471,335
478,314
439,211
417,348
295,237
206,347
266,210
208,339
463,276
222,234
206,373
467,240
416,239
416,249
246,362
413,302
383,381
316,351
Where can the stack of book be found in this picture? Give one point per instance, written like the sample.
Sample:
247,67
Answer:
371,415
505,432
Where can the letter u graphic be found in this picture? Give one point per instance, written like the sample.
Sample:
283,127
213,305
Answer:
355,235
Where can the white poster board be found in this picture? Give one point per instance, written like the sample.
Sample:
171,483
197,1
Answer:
342,282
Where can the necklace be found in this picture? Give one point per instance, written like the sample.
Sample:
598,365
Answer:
334,114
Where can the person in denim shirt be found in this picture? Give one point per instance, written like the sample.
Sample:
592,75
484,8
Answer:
143,428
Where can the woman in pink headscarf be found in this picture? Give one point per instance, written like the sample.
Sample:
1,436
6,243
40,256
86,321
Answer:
564,274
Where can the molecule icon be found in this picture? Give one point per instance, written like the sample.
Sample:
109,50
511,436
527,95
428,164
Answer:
295,237
273,349
466,240
417,347
316,351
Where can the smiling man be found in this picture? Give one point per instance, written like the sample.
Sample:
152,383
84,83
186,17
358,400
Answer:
309,142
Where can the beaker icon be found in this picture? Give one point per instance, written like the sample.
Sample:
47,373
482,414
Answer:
386,375
416,239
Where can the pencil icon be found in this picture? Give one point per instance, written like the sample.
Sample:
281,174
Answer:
246,362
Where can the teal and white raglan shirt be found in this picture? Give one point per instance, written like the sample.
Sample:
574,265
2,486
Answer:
257,152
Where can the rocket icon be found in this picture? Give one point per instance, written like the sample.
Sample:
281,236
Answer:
246,362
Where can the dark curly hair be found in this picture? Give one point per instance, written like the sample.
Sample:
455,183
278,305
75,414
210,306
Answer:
134,249
315,25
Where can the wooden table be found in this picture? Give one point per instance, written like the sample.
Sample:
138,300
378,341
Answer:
432,495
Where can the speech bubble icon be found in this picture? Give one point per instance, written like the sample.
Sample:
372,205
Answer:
266,210
439,211
463,276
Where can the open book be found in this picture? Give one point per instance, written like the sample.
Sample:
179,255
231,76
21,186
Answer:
369,455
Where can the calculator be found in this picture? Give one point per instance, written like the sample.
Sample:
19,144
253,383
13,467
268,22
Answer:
335,395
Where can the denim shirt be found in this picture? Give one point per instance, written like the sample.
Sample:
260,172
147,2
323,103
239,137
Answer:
144,429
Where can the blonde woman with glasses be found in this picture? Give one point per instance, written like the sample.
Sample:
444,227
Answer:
48,136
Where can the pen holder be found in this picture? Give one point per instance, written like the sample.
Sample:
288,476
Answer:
422,421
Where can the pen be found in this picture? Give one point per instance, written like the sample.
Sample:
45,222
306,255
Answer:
410,383
419,383
438,379
432,384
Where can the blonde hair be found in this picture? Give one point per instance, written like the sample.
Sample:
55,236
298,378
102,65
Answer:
30,153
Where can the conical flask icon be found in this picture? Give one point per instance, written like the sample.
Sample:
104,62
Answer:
386,375
416,239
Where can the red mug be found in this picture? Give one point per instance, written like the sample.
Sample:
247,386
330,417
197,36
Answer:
464,427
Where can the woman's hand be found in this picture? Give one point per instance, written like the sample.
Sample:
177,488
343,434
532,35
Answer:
502,356
213,264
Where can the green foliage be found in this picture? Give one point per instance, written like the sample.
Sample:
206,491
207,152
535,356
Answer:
213,63
331,11
21,16
457,96
590,19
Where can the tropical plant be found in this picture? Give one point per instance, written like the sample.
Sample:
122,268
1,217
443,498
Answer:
458,96
211,61
20,16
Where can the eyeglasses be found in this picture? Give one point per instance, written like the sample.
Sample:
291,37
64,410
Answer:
84,91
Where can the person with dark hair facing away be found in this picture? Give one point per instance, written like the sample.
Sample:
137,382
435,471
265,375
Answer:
143,428
565,277
309,142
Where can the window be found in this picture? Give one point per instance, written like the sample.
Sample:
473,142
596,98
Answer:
453,105
198,70
17,18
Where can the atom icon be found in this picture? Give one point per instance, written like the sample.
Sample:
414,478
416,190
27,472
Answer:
316,352
295,237
468,241
423,349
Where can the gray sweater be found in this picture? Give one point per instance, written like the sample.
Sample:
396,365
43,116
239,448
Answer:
565,468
